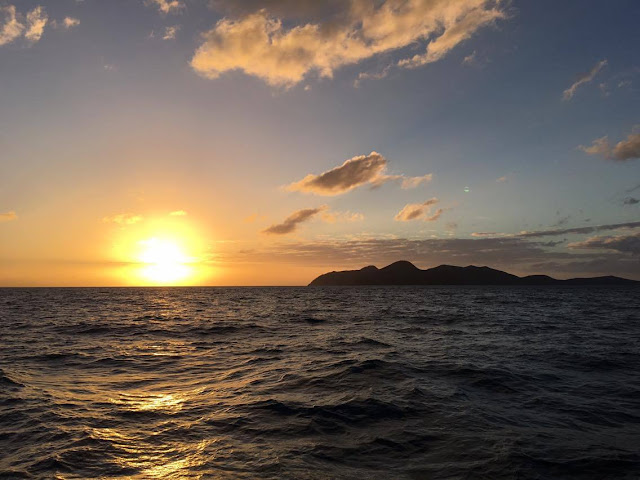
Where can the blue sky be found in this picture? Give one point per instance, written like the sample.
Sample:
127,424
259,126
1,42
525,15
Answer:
102,116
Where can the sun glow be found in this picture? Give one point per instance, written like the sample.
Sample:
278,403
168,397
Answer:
164,261
168,251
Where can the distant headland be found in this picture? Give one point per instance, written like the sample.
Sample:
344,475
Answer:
406,273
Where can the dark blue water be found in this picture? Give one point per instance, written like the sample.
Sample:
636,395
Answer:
319,383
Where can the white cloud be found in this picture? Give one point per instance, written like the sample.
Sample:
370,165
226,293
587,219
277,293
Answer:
584,78
283,54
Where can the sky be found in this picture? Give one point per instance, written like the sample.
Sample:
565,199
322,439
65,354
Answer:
221,142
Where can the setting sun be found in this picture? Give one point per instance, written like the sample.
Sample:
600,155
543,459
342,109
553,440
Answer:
164,261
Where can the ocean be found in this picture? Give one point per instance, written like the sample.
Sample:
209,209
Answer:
320,383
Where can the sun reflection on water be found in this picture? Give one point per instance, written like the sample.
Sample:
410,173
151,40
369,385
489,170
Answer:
157,454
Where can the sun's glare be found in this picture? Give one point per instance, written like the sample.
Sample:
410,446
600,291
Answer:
164,261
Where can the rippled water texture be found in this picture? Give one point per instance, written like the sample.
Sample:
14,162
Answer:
297,383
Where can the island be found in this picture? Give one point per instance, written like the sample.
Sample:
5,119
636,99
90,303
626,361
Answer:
406,273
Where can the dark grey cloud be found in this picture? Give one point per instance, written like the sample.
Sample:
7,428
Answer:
630,201
516,255
621,243
291,223
586,230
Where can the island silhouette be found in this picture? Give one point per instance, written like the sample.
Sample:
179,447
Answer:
406,273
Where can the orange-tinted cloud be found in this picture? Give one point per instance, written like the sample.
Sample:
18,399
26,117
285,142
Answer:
123,219
628,149
291,223
419,211
265,46
168,6
8,216
353,173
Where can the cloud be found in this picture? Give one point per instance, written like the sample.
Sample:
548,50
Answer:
8,216
419,211
283,53
621,243
589,229
353,173
170,32
630,201
291,223
14,25
168,6
70,22
470,59
10,28
36,21
457,28
516,255
178,213
624,150
123,219
342,217
502,179
584,78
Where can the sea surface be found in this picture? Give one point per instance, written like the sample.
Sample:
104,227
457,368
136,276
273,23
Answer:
320,383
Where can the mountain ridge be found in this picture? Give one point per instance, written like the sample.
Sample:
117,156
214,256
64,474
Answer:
403,272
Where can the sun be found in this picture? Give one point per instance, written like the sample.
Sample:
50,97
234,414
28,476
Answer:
164,261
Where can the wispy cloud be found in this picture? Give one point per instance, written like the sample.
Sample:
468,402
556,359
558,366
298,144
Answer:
583,79
291,223
168,6
283,52
8,216
123,219
353,173
419,211
178,213
170,32
341,217
628,149
562,231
